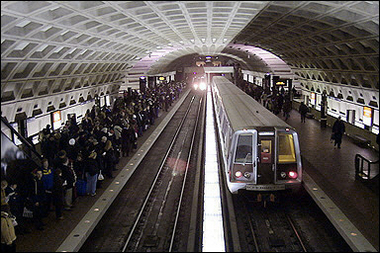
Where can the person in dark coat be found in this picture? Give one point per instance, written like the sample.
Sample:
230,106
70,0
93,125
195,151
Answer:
338,131
109,159
287,107
58,193
72,150
79,166
38,197
303,110
92,171
68,174
16,204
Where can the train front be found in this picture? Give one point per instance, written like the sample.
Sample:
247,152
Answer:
200,83
274,166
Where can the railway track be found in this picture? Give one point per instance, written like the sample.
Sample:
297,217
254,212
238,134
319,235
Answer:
294,224
151,228
150,214
273,229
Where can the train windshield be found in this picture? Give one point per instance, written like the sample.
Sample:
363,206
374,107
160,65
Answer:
244,149
286,152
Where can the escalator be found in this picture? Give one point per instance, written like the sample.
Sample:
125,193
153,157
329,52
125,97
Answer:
18,156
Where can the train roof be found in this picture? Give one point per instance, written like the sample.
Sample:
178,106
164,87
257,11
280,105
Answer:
243,111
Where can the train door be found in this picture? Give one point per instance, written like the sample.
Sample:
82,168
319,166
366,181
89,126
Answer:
266,157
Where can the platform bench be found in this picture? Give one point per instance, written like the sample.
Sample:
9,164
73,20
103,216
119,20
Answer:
360,140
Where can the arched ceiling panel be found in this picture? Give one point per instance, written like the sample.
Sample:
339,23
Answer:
337,38
50,41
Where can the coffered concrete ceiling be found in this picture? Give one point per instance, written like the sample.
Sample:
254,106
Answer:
53,46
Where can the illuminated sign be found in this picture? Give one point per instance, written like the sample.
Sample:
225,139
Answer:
56,117
367,116
281,82
312,98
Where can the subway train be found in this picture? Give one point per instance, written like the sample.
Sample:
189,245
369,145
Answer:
259,151
199,83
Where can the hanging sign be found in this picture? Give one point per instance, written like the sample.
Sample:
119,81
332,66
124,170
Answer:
367,116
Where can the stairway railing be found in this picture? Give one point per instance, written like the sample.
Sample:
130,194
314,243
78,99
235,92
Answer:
25,145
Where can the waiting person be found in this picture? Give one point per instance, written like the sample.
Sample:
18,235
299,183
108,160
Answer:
48,181
92,171
16,204
4,198
303,110
8,235
38,197
58,193
287,107
109,159
338,131
68,174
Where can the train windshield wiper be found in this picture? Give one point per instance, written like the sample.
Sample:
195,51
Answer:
246,158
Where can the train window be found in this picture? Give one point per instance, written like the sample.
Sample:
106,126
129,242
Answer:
244,149
286,153
266,151
266,146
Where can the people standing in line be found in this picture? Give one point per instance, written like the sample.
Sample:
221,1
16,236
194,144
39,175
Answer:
16,204
48,181
38,197
338,131
58,193
4,197
92,171
109,159
8,235
287,107
69,177
303,110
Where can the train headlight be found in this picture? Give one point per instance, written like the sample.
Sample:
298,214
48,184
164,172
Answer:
293,174
202,86
238,174
283,174
247,174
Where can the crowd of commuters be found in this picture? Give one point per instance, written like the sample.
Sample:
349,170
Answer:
275,101
77,154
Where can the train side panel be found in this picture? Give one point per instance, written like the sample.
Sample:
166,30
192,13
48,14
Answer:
261,156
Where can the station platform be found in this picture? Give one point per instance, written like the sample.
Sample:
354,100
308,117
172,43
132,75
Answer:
69,234
329,177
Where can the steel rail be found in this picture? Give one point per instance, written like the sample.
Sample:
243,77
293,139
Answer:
157,176
184,179
295,231
251,226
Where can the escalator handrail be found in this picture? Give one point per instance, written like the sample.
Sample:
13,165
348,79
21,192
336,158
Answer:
21,138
